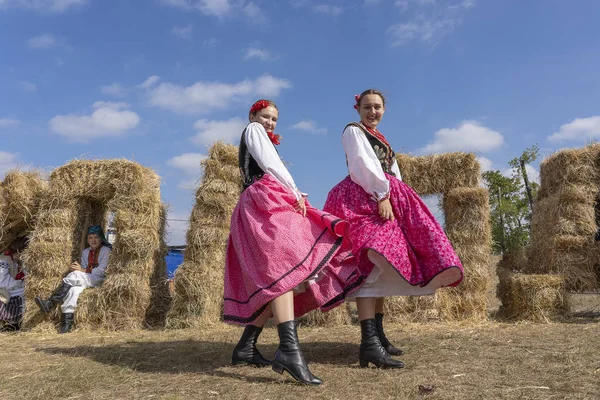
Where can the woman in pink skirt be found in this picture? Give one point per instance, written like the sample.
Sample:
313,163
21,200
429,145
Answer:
284,257
399,247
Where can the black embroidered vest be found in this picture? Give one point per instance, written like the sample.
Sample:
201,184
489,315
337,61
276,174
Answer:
249,168
384,153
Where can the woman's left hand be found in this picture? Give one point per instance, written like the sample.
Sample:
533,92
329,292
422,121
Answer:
300,207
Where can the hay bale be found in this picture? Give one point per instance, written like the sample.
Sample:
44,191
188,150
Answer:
336,317
439,173
20,196
569,167
407,309
160,297
198,282
540,298
81,193
467,212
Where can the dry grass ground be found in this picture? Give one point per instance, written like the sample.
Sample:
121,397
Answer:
463,361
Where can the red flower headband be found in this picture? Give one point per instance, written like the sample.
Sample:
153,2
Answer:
259,105
357,98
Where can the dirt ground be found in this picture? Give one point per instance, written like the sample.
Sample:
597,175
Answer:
462,361
492,360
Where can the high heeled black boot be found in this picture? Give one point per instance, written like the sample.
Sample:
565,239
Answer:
289,356
390,348
56,298
371,350
246,352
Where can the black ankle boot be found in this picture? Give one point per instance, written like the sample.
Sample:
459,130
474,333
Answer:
390,348
66,323
371,350
57,297
246,352
289,356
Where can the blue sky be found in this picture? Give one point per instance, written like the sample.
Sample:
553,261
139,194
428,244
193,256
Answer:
156,81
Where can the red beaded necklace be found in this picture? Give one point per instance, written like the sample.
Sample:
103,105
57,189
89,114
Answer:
377,134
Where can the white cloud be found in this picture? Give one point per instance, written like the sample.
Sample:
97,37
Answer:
253,52
177,227
255,14
485,163
8,161
431,21
44,41
327,9
205,97
309,126
183,32
28,86
532,173
578,129
151,81
50,6
468,136
211,42
108,120
210,131
114,88
218,8
8,122
188,163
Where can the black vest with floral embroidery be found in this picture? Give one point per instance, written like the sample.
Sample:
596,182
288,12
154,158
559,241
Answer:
384,153
249,168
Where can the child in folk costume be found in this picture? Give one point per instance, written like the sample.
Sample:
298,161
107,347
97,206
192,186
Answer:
12,286
400,248
89,273
284,257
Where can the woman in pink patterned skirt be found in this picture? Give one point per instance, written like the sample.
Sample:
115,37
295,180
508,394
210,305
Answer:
284,257
399,247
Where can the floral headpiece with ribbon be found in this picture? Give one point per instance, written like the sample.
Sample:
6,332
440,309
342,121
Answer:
357,98
256,107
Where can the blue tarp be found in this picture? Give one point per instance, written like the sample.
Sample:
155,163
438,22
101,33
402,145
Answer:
174,259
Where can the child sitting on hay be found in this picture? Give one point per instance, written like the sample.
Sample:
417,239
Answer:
12,286
89,273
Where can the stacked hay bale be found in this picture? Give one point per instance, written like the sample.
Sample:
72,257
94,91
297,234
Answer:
20,196
563,221
198,291
466,208
81,193
160,295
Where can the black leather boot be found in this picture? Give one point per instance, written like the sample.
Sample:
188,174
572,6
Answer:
246,352
371,350
289,356
56,298
66,323
390,348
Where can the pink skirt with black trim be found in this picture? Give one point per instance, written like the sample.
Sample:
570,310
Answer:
414,244
272,249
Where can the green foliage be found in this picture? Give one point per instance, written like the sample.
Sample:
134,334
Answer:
511,200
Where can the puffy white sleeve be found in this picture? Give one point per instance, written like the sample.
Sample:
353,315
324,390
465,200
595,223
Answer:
84,258
396,170
100,270
365,169
261,148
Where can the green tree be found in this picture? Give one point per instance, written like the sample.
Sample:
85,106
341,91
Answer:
519,166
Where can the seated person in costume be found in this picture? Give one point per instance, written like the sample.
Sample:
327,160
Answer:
12,286
89,273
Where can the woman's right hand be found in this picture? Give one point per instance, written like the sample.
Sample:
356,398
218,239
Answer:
385,210
76,266
300,206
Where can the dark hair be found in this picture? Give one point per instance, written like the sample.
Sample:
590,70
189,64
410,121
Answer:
370,91
19,244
